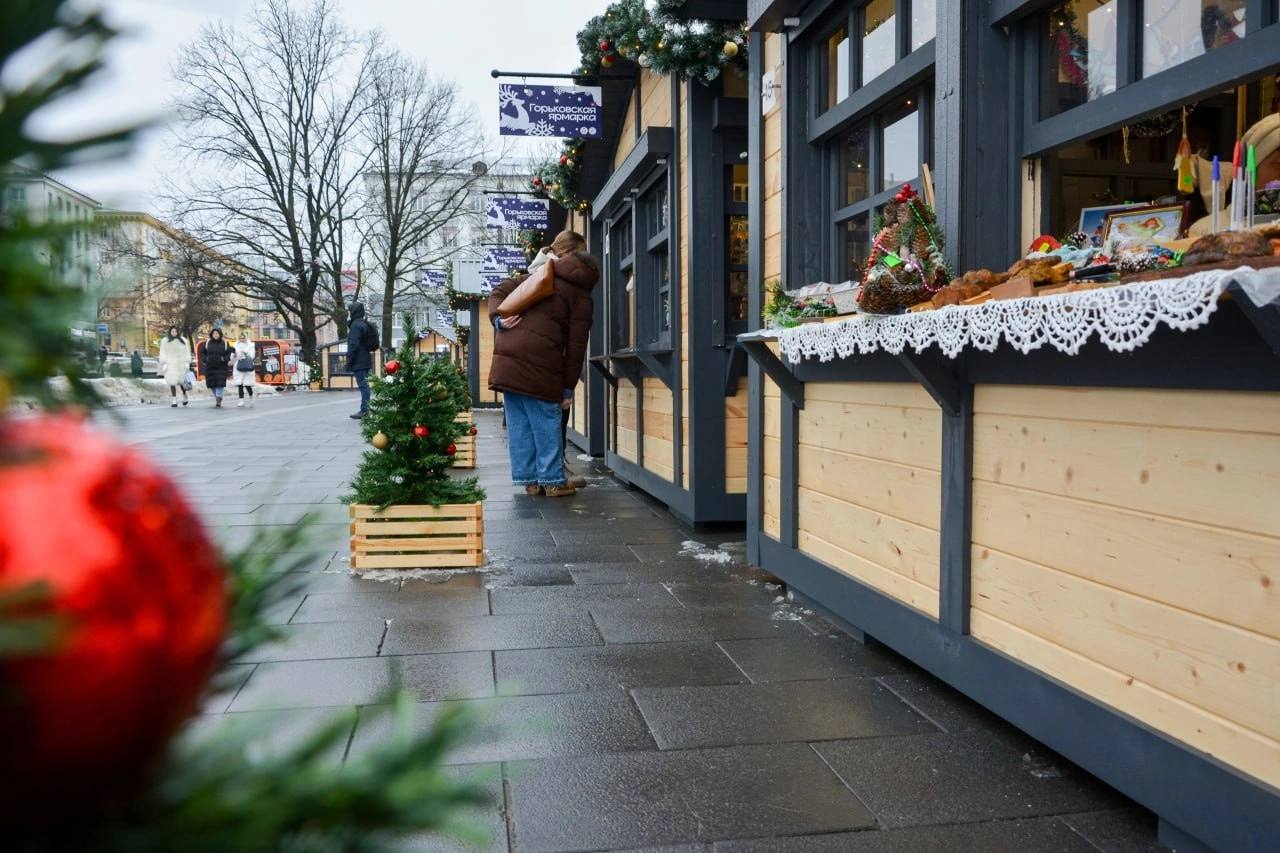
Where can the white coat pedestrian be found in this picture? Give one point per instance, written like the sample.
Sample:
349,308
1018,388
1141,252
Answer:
175,362
245,361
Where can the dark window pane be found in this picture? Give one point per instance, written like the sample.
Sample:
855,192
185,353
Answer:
900,142
1080,54
1174,31
855,236
740,179
854,156
835,67
879,35
924,22
737,296
664,292
738,240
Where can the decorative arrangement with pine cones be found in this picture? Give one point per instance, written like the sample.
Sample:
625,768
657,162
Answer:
906,265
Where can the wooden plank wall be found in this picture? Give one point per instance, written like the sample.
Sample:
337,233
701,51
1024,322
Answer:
483,337
772,464
870,485
1126,542
654,93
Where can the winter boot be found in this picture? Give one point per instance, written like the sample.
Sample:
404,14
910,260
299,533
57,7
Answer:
561,491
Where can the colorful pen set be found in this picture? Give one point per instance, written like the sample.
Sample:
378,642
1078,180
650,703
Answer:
1244,185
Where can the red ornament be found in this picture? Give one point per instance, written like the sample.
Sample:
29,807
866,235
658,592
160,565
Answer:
139,588
473,430
607,60
392,367
451,449
564,158
421,431
905,194
537,182
605,46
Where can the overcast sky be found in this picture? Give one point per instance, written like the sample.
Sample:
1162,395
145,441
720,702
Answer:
461,40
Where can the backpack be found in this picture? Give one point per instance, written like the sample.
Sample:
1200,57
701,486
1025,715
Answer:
371,340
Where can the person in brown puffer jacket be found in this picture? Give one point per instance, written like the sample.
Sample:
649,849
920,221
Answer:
537,359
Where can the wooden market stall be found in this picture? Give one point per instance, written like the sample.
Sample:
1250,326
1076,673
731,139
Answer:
665,397
1073,524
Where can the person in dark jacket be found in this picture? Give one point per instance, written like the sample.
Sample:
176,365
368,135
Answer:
215,364
135,365
537,359
362,340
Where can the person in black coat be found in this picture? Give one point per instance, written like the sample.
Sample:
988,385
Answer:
215,364
362,340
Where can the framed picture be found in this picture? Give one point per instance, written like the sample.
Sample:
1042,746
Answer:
1093,220
1143,226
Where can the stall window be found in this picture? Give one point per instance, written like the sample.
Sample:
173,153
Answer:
872,160
865,40
1083,52
736,247
656,296
621,268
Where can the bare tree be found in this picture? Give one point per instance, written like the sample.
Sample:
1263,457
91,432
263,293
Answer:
270,114
426,154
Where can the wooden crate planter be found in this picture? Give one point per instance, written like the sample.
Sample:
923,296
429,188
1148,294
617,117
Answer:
406,536
466,444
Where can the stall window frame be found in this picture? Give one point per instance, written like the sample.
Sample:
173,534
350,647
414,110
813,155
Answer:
619,269
839,214
653,334
1135,96
633,319
827,20
729,144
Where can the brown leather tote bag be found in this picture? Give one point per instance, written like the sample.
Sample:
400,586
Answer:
540,284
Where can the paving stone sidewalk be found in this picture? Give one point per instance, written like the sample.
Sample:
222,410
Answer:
639,685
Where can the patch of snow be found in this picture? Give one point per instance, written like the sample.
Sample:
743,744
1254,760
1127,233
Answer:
1040,768
583,457
429,575
785,615
699,551
772,585
779,600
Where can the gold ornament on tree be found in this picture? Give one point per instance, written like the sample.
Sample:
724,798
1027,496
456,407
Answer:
731,49
380,440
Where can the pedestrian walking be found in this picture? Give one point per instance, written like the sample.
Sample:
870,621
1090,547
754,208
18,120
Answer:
215,364
245,356
175,361
537,359
362,341
135,365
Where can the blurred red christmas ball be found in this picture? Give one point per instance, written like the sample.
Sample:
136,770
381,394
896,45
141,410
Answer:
564,158
421,431
451,449
604,45
473,430
607,60
139,592
392,366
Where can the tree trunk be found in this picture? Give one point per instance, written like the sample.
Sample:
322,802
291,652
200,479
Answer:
388,306
307,332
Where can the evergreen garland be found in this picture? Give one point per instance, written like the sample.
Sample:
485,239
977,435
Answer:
558,179
654,37
424,391
532,241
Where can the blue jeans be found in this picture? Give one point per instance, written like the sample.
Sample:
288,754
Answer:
533,439
362,382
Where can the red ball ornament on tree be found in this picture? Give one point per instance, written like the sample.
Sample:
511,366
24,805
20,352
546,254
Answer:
473,430
139,592
564,159
421,431
605,47
392,367
451,449
607,60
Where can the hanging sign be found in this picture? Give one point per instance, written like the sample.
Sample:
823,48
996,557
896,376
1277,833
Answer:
444,318
433,280
568,112
489,279
523,213
504,259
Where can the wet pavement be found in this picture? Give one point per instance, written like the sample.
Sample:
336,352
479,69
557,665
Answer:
638,686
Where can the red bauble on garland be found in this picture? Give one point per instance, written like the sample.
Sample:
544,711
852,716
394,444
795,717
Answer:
607,60
392,367
421,431
605,47
564,159
451,449
473,430
140,592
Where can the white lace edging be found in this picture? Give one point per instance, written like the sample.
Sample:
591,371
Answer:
1122,317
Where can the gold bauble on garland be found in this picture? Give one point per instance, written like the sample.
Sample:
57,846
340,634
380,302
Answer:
380,440
731,49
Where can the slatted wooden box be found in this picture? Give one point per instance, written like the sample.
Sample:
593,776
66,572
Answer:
406,536
466,444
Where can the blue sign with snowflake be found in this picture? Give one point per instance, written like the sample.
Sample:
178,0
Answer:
504,259
433,280
522,213
568,112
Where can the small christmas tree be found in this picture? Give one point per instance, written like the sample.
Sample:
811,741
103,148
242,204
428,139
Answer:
906,264
411,425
